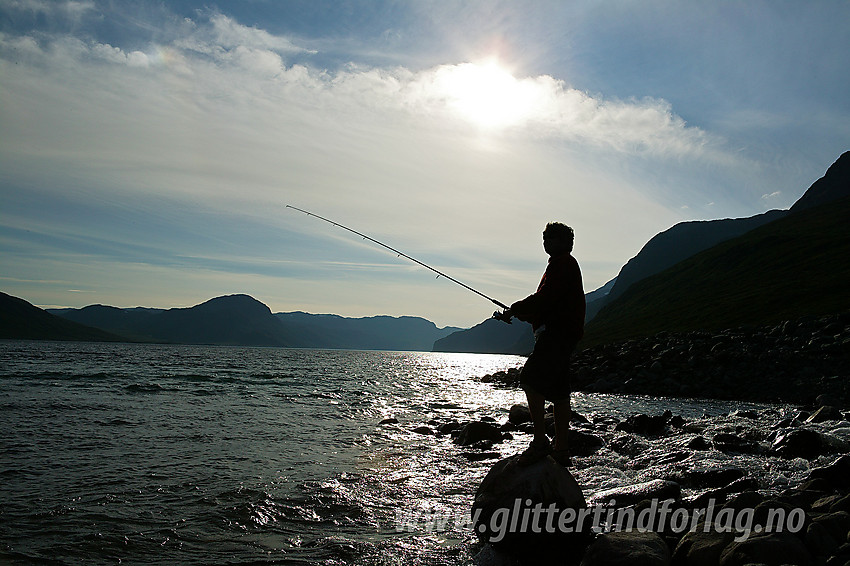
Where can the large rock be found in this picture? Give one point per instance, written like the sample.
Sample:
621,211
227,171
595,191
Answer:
530,511
519,414
627,548
583,443
837,473
770,549
825,413
478,431
631,494
645,424
701,548
798,443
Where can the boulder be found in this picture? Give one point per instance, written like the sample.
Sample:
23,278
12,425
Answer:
530,511
825,413
628,445
728,442
700,548
837,473
627,548
645,424
827,400
771,549
698,443
583,443
798,443
713,476
631,494
519,414
478,431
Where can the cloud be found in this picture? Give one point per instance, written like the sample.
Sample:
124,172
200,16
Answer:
69,10
204,137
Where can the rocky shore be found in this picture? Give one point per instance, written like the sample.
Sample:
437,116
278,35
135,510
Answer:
764,486
792,361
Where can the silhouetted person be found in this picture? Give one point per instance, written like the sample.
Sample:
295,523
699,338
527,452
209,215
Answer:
556,313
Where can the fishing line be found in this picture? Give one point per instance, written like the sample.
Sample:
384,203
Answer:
401,254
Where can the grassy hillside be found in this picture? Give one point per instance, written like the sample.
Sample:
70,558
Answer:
792,267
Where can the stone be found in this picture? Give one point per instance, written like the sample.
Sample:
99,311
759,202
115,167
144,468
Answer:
728,442
504,516
837,524
825,413
426,430
627,548
583,443
819,542
713,476
771,549
698,443
645,424
628,445
837,473
478,431
700,548
519,414
631,494
827,400
798,443
390,420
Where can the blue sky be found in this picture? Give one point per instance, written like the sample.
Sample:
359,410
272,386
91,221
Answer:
148,149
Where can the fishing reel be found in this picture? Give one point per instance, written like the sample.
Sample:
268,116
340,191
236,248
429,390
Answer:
504,316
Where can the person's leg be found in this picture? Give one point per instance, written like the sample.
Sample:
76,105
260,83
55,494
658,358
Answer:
562,424
540,446
537,408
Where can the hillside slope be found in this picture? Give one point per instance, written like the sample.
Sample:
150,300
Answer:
796,266
20,320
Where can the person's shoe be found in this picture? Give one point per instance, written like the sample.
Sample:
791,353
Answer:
563,457
535,452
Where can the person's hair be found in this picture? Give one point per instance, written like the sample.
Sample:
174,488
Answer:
561,232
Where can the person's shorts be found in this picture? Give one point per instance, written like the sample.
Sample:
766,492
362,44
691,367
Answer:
547,369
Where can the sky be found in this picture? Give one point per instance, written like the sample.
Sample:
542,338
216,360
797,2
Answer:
148,149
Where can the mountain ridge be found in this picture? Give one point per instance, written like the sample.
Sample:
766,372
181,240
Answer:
241,320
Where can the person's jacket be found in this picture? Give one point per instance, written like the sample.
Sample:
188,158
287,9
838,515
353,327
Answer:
558,305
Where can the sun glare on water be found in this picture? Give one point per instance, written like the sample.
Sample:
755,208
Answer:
487,94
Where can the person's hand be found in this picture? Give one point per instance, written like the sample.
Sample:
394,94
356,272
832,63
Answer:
504,316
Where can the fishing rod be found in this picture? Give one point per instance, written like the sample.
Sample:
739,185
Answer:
402,254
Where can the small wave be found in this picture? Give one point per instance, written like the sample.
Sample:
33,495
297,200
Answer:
145,388
116,422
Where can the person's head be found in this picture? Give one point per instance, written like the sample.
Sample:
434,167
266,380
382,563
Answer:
558,238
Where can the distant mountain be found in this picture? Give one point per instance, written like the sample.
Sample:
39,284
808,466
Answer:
597,299
236,320
370,333
490,337
242,320
20,320
124,322
793,267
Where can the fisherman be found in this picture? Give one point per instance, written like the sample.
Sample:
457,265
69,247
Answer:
556,313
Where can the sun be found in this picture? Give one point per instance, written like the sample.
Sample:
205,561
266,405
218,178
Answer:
487,94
